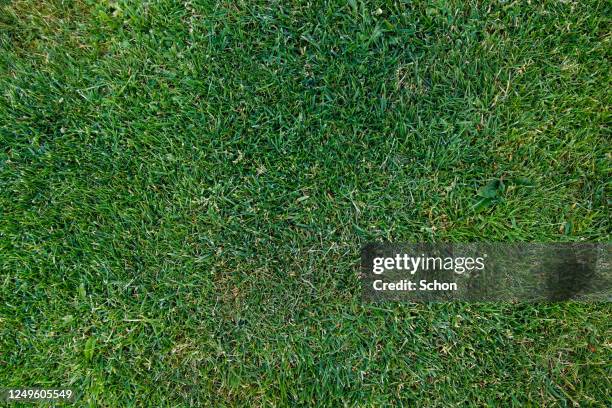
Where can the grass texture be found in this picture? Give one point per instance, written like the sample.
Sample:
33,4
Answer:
185,187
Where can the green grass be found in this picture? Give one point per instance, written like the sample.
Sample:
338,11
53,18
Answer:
184,190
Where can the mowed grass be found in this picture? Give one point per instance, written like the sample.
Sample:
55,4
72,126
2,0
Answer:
185,188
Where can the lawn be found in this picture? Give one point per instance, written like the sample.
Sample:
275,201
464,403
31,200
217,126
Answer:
185,188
